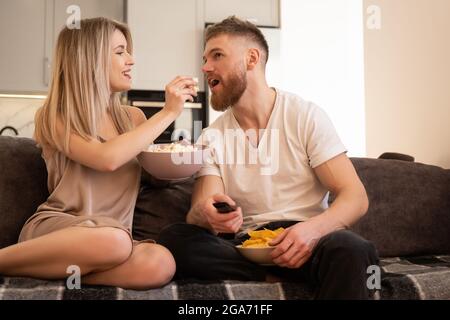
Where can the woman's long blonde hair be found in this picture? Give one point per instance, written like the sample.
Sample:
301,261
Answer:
80,95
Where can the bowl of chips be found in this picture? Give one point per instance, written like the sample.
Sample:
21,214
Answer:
257,248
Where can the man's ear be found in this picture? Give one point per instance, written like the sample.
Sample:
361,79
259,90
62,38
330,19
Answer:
253,57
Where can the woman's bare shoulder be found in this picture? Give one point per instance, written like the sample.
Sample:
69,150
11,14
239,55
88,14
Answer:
137,115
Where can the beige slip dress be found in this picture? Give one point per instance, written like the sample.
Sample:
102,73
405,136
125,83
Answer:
84,197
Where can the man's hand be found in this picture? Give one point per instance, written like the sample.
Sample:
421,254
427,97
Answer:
295,245
221,222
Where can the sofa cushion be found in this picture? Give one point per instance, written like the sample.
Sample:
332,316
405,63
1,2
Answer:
409,211
159,204
23,185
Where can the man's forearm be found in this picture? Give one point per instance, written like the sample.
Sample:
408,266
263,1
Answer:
348,207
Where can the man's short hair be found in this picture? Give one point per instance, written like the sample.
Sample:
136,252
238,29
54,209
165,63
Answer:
237,27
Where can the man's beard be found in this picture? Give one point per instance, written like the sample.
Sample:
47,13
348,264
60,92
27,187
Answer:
231,92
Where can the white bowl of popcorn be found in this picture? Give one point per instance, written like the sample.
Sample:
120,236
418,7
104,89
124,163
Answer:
172,161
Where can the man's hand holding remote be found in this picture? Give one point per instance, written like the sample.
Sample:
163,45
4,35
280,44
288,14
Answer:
222,214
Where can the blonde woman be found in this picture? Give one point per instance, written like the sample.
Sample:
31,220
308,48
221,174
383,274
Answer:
89,143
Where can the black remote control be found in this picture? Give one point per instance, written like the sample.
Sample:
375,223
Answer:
223,207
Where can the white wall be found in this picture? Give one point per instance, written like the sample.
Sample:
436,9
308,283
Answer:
322,60
408,79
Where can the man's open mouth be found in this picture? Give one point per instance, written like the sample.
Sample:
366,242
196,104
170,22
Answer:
213,83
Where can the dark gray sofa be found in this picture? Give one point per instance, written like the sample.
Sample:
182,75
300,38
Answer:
408,221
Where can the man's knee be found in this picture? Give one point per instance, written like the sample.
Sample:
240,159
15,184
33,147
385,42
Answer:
178,231
181,239
350,247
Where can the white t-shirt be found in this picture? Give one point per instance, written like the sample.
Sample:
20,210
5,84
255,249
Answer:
275,180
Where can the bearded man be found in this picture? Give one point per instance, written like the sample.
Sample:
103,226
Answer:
274,159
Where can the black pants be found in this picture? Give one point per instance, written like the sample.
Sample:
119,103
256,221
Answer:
337,268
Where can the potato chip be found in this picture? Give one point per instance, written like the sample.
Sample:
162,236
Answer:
261,238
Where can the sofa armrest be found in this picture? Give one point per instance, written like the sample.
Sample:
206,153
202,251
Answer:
409,207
